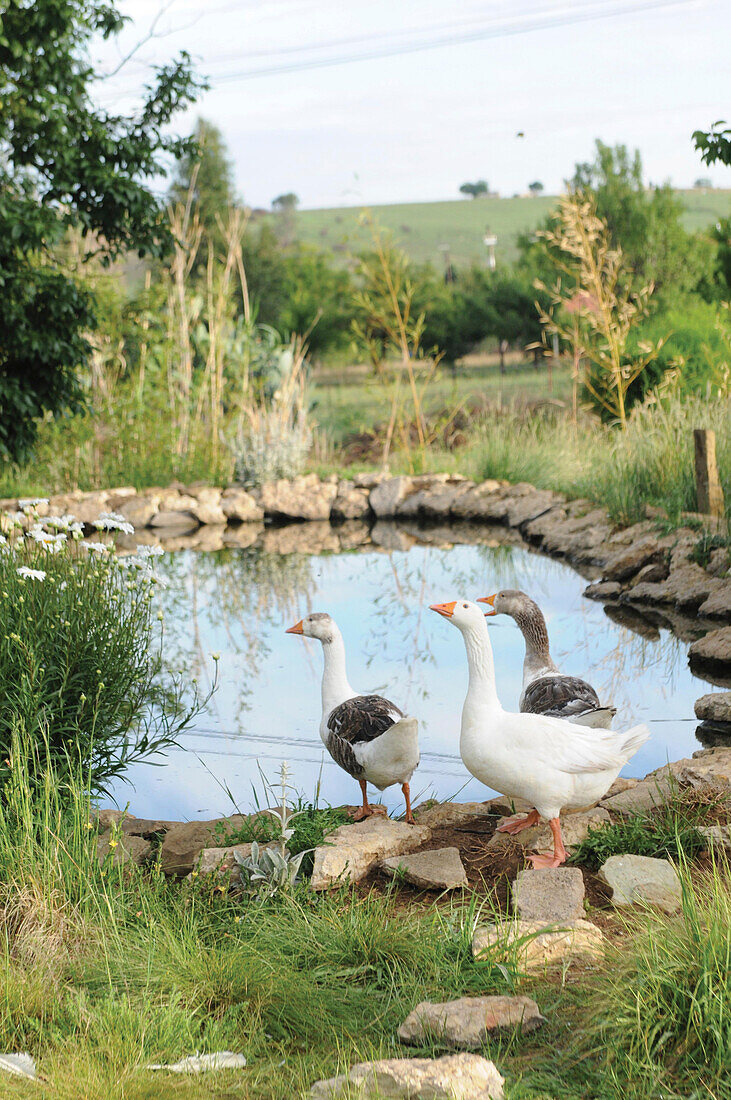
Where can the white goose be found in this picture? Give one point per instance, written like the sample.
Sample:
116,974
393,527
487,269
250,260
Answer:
547,690
367,735
547,761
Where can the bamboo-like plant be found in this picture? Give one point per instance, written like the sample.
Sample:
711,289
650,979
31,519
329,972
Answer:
387,323
593,305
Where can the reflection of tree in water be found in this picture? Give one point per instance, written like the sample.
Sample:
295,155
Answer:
238,592
403,628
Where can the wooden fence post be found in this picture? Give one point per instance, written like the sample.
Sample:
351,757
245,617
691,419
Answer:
708,485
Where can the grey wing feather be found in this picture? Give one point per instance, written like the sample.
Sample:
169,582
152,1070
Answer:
357,720
560,696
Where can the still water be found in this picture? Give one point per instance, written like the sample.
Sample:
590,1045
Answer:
238,603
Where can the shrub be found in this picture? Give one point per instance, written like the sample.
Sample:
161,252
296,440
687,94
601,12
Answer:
80,673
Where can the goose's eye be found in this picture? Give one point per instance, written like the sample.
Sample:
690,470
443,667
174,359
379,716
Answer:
464,605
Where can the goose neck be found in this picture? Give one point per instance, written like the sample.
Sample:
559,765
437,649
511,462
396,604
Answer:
532,626
335,686
481,665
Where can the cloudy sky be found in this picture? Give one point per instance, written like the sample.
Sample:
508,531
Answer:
378,101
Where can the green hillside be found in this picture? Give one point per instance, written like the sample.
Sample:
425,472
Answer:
461,224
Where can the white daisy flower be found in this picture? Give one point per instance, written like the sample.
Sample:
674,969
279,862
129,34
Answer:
97,547
61,523
31,502
52,543
28,574
112,521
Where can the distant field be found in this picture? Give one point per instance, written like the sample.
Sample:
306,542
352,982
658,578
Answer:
461,224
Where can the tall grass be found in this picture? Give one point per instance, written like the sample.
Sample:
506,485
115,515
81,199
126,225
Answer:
651,462
662,1005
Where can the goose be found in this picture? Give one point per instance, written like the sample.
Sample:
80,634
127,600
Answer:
546,761
547,690
368,736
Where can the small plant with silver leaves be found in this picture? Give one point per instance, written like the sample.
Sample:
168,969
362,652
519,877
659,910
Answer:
267,871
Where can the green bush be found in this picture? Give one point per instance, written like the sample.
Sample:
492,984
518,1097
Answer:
693,344
80,670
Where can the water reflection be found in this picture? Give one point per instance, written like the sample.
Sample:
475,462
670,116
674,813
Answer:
237,601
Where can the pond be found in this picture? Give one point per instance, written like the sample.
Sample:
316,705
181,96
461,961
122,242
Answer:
238,603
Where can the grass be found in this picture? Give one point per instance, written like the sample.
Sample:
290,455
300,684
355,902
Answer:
309,829
461,224
105,969
668,831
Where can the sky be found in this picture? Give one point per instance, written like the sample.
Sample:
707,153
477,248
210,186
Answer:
340,101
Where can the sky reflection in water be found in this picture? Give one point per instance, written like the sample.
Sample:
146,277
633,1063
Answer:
267,707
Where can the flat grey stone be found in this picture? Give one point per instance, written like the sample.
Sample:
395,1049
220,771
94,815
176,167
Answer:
549,894
351,851
718,604
714,647
637,879
716,836
122,849
714,707
466,1023
537,946
626,562
453,1077
439,869
603,590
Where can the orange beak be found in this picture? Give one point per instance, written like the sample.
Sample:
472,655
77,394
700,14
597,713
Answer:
491,601
444,609
296,629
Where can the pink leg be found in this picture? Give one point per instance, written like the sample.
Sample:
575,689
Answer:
516,824
559,852
407,799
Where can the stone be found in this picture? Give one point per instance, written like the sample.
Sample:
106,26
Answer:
239,506
654,571
709,767
538,947
353,535
302,498
350,502
370,480
386,497
352,850
625,563
719,562
718,604
208,507
139,510
87,508
438,869
713,648
179,521
714,707
551,895
485,503
452,1077
648,792
438,814
123,849
574,828
185,841
222,860
603,590
467,1023
530,506
435,502
621,783
717,837
638,879
208,538
106,818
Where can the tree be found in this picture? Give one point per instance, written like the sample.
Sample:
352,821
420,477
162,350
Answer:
714,145
645,223
288,201
474,190
535,188
67,167
703,183
206,170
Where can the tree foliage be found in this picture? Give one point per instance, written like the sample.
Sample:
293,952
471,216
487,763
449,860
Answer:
205,173
474,190
714,145
67,166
